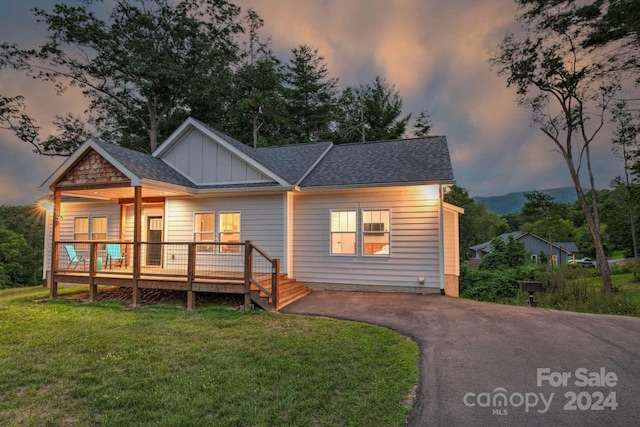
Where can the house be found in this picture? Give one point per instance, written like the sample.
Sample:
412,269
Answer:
556,252
207,213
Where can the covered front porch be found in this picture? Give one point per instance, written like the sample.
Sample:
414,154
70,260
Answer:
112,233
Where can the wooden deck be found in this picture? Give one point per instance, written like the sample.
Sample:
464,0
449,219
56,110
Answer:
269,290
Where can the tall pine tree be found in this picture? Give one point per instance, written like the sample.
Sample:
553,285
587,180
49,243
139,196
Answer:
370,113
310,94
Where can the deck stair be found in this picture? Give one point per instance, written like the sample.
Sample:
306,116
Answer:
289,290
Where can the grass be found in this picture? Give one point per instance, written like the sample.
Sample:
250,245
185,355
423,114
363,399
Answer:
579,290
67,363
618,254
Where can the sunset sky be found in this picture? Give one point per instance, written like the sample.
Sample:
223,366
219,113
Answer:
434,52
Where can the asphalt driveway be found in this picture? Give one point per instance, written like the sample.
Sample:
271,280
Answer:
488,364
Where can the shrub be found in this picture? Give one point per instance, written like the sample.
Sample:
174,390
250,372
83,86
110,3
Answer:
492,285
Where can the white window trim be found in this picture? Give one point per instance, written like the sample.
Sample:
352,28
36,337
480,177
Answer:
363,232
220,232
213,231
355,232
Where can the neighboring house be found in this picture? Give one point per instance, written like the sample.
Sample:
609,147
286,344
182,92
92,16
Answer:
206,213
556,252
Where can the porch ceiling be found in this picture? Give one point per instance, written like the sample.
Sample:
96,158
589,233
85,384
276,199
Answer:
117,193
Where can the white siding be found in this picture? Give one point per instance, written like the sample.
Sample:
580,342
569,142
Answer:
71,210
414,238
451,243
206,162
261,220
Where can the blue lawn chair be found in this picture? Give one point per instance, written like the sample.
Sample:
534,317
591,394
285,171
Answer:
74,258
114,254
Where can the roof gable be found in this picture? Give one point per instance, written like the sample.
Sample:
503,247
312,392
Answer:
206,162
239,150
92,169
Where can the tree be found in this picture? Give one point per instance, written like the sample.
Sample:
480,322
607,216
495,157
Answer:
626,145
539,205
544,217
563,88
310,95
135,67
370,113
509,254
13,117
422,125
478,224
554,229
257,105
618,218
18,265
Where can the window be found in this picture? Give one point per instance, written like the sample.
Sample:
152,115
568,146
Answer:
203,224
375,232
343,233
81,232
229,231
99,229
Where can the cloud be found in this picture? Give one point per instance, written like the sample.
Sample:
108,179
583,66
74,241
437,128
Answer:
434,52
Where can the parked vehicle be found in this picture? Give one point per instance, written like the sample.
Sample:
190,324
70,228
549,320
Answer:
586,264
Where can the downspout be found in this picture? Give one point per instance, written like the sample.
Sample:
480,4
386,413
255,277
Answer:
441,237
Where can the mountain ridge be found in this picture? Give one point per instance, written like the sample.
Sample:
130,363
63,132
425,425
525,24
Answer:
513,202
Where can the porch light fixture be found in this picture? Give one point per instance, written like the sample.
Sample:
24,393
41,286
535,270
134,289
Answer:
431,192
45,205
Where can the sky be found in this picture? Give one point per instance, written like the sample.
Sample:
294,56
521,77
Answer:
434,52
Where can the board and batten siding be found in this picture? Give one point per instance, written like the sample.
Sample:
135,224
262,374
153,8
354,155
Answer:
261,220
71,210
206,162
414,238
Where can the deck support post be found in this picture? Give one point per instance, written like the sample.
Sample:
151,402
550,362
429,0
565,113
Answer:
248,268
93,259
55,256
137,237
191,300
275,277
191,269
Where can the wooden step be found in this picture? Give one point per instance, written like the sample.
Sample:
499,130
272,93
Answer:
289,290
284,301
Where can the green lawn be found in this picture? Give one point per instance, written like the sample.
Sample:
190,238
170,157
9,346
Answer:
68,363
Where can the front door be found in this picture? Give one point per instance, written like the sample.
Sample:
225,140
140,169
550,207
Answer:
154,235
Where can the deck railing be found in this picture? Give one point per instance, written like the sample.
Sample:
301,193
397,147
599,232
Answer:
191,261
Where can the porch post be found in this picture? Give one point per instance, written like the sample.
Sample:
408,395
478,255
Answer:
55,237
93,258
137,237
191,269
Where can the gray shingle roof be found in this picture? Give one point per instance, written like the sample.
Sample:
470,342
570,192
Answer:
291,162
384,162
371,163
145,166
486,246
568,247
